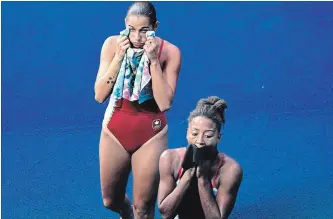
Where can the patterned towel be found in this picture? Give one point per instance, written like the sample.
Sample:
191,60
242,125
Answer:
133,78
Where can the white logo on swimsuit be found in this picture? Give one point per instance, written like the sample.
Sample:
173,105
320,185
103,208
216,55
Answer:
156,124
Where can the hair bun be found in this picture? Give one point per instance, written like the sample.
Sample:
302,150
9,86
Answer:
214,101
212,108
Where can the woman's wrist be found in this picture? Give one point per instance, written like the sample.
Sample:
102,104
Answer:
154,62
117,58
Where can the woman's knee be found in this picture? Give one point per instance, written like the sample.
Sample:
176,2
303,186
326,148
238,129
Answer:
111,204
143,208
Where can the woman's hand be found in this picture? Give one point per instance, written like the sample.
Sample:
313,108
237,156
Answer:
189,174
151,48
203,169
123,44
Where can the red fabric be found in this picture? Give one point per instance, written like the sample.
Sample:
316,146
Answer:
134,126
161,47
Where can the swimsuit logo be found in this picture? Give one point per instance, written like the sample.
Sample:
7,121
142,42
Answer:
156,124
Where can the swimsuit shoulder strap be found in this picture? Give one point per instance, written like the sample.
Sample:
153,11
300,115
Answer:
161,47
180,171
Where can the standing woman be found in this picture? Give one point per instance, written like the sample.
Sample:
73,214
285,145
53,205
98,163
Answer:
139,73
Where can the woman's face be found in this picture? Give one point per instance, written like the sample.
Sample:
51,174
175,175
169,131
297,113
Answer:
138,26
203,132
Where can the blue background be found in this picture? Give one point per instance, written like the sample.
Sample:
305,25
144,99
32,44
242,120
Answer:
271,61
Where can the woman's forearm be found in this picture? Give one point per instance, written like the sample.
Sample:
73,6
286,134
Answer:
161,90
208,202
168,207
104,84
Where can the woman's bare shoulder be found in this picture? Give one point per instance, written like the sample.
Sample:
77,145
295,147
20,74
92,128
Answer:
110,40
109,48
173,156
170,47
231,169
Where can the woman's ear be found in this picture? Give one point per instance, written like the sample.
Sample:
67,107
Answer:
156,25
219,137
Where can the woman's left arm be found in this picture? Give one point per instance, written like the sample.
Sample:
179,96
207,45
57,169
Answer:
228,190
164,81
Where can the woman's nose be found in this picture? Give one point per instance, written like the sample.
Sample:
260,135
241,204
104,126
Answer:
136,35
200,140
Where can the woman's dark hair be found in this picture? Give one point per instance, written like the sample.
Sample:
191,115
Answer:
212,108
143,8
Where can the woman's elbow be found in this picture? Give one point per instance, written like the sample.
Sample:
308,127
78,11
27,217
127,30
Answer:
164,107
165,214
162,209
99,98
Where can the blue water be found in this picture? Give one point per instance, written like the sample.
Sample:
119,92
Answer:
271,61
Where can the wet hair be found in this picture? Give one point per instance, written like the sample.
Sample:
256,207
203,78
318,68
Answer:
212,108
143,8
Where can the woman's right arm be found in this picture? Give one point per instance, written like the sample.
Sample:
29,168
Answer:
112,54
169,194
